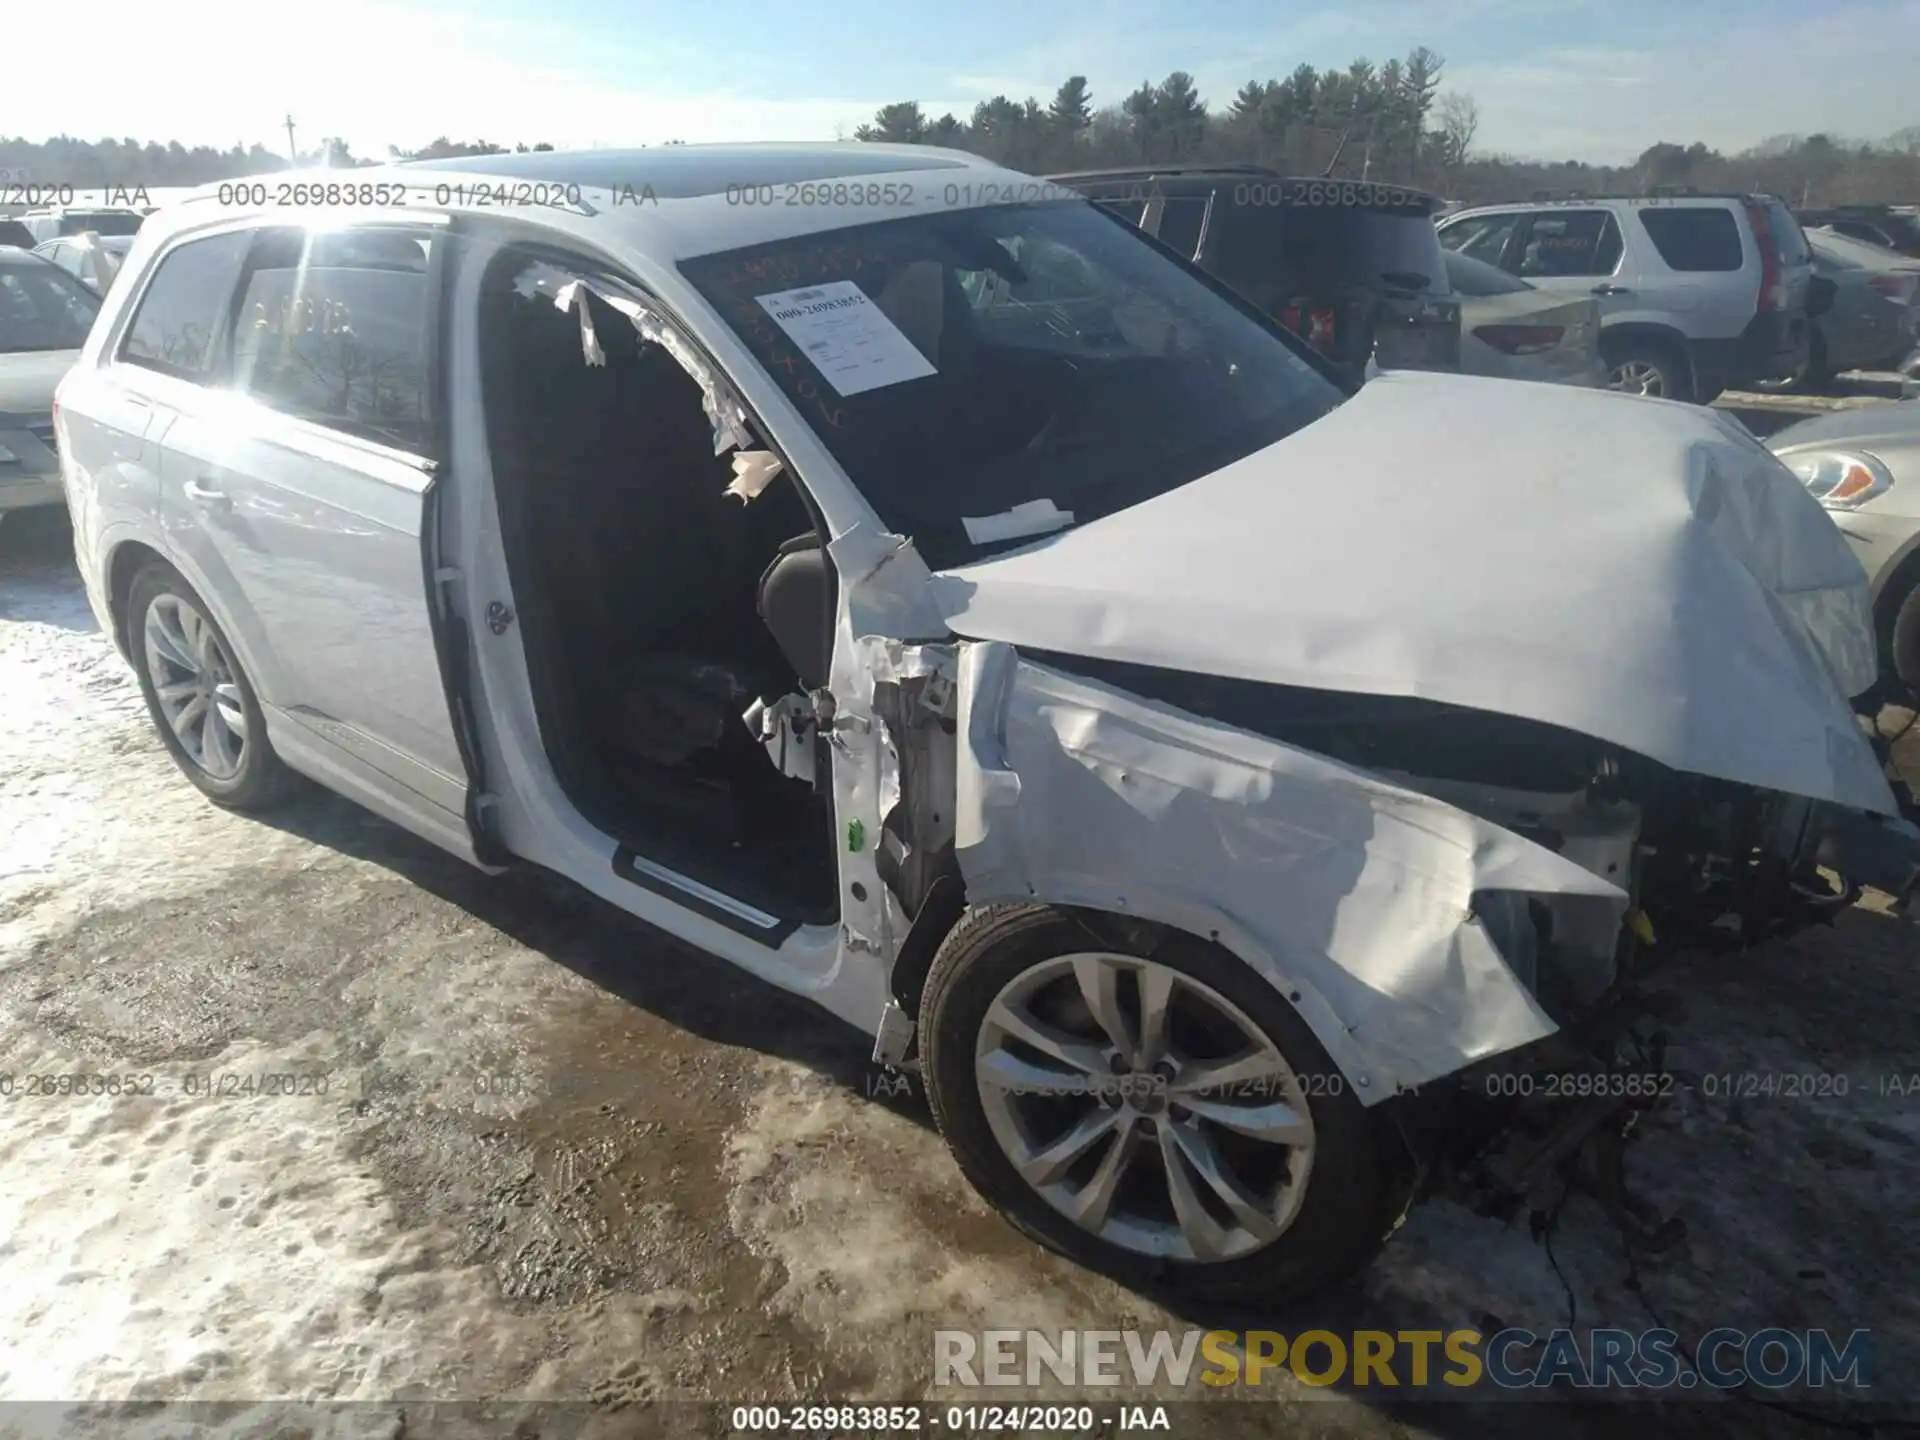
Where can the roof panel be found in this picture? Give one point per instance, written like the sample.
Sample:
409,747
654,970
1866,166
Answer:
684,172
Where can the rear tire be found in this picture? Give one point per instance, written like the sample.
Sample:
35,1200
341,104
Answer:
1648,367
207,715
1321,1202
1810,379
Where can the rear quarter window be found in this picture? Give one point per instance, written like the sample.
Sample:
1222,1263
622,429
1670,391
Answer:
1181,217
1261,248
1788,237
1695,238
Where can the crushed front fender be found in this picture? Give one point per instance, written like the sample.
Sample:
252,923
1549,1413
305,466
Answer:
1351,895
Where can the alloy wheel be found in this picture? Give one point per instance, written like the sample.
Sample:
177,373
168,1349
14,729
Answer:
195,685
1638,377
1145,1106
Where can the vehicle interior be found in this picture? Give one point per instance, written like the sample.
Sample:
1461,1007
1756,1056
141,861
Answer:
650,600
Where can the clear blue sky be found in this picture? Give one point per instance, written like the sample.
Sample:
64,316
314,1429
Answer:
1596,79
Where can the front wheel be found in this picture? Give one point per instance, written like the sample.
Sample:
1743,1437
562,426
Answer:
1155,1111
1903,645
201,701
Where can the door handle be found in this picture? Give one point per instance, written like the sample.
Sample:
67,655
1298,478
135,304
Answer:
1607,289
202,494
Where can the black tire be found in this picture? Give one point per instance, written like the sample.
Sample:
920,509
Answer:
1810,379
262,780
1818,375
1674,371
1352,1195
1903,645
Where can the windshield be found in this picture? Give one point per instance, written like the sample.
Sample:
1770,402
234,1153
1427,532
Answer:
962,364
43,308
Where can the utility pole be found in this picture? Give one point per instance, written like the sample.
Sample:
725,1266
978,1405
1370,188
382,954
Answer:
292,154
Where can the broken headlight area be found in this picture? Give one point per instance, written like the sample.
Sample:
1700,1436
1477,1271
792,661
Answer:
1704,861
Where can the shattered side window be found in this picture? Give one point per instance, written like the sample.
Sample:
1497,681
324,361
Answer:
567,291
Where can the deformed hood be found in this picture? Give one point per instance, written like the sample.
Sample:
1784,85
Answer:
1639,571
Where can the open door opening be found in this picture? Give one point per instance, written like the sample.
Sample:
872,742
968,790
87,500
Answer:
641,585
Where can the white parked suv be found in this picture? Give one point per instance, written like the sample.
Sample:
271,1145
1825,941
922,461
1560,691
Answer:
1068,682
1697,293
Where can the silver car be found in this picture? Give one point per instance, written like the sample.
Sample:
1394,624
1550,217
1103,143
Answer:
1510,329
1863,464
1875,317
44,318
94,260
1697,293
1191,768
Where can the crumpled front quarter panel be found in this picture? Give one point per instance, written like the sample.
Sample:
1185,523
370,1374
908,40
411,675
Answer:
1349,894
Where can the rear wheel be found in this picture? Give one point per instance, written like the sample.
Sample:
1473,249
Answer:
1650,368
1810,378
200,699
1154,1111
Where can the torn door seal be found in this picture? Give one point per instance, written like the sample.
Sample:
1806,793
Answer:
568,291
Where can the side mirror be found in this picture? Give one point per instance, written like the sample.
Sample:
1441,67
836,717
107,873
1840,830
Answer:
1820,293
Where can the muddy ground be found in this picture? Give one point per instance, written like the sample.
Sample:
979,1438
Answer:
543,1153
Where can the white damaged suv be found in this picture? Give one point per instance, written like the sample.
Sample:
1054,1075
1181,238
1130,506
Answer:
900,578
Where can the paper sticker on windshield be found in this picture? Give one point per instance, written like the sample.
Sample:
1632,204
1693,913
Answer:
849,339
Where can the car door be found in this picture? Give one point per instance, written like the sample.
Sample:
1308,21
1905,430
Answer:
1575,253
305,485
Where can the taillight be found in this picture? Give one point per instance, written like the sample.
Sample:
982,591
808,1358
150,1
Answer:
1520,339
1898,288
1314,325
1773,284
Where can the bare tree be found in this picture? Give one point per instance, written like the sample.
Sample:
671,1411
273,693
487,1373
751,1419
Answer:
1459,123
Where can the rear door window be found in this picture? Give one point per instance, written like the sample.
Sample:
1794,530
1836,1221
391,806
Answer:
1694,238
1483,237
332,328
1570,242
182,314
